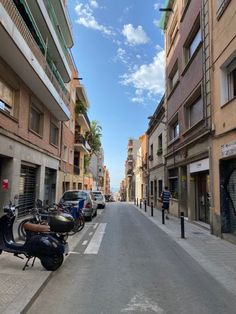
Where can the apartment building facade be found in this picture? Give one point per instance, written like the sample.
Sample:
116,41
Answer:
34,74
223,41
188,107
156,151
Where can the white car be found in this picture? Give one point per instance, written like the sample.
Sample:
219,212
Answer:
99,199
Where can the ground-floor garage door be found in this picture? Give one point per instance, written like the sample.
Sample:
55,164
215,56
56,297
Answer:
27,189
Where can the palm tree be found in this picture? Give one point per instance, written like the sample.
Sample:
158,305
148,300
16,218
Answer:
93,137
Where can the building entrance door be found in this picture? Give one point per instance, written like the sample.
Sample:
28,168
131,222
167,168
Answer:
203,208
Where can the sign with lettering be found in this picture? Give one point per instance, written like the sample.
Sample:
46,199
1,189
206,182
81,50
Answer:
201,165
228,149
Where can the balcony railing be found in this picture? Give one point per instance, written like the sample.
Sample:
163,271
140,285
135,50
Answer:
79,139
26,34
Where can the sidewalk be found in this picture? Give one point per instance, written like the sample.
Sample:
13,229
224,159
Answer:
216,256
19,288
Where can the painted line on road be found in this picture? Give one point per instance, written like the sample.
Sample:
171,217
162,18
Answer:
95,226
74,253
90,233
85,242
96,240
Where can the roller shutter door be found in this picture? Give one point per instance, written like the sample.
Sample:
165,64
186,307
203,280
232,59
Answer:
27,189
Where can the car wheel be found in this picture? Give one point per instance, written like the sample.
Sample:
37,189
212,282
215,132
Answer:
90,218
95,214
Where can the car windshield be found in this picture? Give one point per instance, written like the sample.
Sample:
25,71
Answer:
97,195
74,196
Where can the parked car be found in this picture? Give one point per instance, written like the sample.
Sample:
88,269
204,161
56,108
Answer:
99,199
75,196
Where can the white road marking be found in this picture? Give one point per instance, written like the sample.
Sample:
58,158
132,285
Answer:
85,242
90,233
95,226
76,253
140,303
96,240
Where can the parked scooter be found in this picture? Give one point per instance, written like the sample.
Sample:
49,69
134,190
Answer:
48,243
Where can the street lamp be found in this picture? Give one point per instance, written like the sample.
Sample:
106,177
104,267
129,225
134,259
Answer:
166,10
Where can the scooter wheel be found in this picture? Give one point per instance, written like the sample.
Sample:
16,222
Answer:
52,263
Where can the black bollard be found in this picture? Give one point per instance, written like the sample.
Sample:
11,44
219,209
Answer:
134,202
145,205
182,225
152,209
137,202
140,204
163,216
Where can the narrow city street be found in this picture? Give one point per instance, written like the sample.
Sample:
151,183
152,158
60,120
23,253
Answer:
124,263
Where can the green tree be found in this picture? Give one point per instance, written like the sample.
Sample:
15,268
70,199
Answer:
80,106
93,137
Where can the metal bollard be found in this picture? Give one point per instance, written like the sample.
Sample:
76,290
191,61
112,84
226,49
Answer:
152,209
137,202
145,205
134,201
182,225
140,204
163,216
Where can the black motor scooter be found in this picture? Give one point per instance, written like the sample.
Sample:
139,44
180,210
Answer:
48,243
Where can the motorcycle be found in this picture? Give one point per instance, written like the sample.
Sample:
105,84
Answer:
46,242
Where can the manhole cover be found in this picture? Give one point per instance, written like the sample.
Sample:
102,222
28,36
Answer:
196,232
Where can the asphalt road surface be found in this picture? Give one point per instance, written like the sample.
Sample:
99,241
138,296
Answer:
126,264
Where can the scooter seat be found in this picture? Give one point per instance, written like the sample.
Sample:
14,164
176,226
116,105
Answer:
36,227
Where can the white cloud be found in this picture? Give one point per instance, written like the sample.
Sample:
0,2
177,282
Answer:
121,55
86,18
157,23
148,78
93,3
157,6
135,36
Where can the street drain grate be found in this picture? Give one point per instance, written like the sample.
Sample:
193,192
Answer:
196,232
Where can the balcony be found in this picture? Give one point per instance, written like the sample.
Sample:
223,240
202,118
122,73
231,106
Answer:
20,50
44,18
80,144
129,173
130,158
64,20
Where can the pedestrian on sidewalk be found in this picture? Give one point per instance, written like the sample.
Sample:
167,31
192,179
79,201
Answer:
165,197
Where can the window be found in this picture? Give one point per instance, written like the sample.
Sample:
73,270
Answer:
221,7
65,153
194,109
174,130
173,182
71,157
228,81
54,134
193,41
7,97
172,31
231,76
36,120
160,187
151,187
151,152
159,150
173,77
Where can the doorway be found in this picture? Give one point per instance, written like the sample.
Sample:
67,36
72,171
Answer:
202,198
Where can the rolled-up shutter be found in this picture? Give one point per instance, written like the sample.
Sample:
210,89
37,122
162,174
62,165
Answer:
27,189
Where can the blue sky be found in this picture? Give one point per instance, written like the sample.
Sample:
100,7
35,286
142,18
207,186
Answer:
118,51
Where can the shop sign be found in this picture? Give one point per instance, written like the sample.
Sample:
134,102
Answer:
201,165
228,149
5,184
